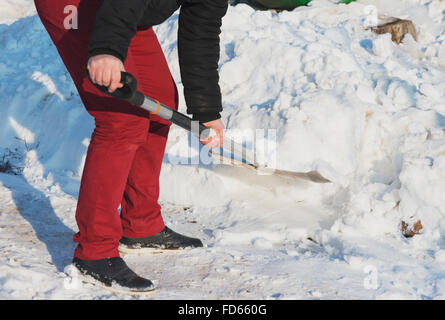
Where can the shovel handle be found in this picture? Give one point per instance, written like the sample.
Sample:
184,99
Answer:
129,92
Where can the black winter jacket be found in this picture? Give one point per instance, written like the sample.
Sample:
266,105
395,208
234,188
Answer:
117,21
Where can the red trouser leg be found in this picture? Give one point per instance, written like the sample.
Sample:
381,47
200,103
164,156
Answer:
140,210
127,146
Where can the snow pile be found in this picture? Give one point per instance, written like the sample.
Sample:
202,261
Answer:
366,113
15,9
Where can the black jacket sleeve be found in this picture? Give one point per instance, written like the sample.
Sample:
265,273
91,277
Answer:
115,25
117,22
199,50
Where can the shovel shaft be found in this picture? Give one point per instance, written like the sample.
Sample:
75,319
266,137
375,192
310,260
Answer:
239,151
155,107
130,94
195,127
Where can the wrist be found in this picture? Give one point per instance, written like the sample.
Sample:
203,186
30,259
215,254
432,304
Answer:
110,52
204,117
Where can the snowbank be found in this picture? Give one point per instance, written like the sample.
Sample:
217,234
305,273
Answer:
366,113
15,9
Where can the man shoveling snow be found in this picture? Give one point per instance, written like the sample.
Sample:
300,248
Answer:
125,154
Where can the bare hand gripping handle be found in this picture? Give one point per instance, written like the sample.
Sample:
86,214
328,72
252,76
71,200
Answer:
130,94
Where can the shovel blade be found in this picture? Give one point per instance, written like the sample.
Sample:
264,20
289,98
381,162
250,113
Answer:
313,176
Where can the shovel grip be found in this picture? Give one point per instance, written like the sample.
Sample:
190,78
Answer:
129,92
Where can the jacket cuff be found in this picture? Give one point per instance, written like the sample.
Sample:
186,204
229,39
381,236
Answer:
204,117
98,51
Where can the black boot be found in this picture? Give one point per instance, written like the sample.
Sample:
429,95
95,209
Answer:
113,272
167,239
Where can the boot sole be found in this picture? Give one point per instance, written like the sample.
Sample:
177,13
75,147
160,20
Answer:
141,251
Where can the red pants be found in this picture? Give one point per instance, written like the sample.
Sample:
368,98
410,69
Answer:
127,146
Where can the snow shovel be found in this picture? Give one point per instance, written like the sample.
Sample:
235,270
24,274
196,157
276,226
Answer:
130,94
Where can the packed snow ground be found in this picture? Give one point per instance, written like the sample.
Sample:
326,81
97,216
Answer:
366,113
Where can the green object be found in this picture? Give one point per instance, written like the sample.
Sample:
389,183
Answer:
289,4
283,4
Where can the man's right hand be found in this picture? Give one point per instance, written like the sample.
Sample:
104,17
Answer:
216,140
105,70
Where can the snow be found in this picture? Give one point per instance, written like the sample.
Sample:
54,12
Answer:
366,113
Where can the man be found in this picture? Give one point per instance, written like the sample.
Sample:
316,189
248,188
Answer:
127,146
